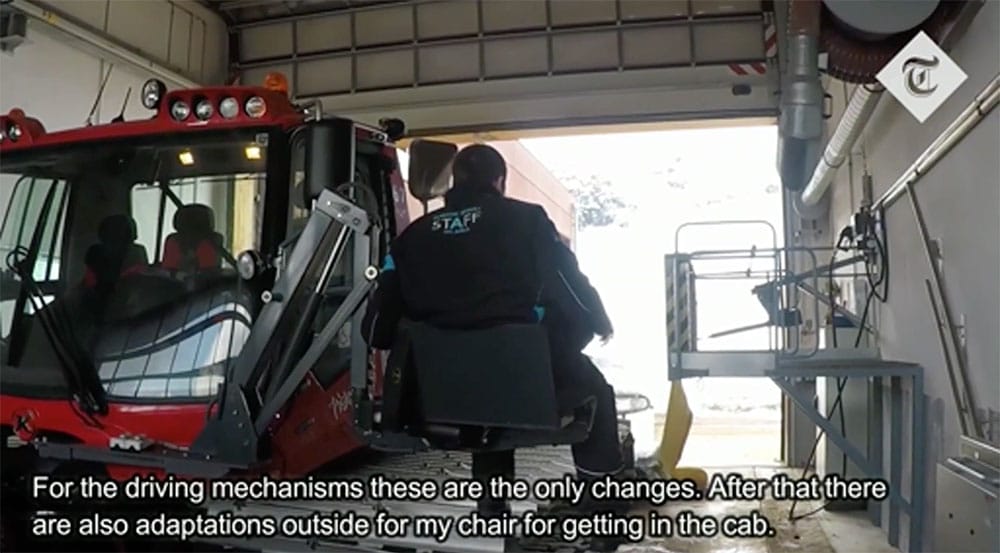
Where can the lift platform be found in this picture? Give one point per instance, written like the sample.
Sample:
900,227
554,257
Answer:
788,283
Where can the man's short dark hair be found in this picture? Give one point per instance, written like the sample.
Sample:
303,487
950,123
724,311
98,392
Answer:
478,165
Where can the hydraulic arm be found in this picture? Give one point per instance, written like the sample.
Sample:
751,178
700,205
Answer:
245,412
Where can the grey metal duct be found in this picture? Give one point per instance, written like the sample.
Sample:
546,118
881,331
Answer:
800,124
858,110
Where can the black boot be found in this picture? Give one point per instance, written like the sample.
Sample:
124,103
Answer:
487,465
489,507
588,504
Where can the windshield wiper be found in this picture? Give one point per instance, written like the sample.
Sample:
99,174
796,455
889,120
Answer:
79,368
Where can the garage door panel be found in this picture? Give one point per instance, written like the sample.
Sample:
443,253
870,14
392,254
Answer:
255,76
323,33
384,26
516,57
266,41
584,51
180,43
721,43
90,13
447,19
656,47
449,63
596,98
725,7
196,49
424,49
385,69
512,16
324,76
637,10
580,12
141,24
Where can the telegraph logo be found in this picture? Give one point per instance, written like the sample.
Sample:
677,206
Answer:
918,75
921,77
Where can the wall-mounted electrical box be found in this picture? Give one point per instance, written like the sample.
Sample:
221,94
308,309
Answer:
13,30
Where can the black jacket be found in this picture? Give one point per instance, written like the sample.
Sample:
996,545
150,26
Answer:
481,261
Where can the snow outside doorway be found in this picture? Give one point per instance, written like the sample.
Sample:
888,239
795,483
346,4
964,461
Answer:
632,191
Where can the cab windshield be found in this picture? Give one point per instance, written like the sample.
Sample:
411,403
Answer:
102,234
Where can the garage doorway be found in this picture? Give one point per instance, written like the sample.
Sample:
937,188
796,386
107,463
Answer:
632,191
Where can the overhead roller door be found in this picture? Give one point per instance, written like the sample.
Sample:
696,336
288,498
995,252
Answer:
370,56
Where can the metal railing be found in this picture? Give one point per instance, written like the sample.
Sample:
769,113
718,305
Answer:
789,283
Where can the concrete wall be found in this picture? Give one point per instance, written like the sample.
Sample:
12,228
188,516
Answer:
960,198
527,180
56,78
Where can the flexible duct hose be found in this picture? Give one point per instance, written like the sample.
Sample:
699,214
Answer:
857,61
858,110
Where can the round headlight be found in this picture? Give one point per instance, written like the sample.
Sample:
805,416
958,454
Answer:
255,107
180,110
203,109
229,107
14,133
152,91
249,264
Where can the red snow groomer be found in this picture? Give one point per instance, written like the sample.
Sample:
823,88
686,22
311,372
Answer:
182,295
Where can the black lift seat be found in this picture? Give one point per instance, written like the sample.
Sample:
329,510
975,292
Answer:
481,390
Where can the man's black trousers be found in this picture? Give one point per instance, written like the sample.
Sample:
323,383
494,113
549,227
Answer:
576,379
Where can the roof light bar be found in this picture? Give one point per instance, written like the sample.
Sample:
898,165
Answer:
152,92
229,107
203,109
180,110
255,107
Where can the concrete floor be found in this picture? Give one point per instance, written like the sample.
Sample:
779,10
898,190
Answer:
823,532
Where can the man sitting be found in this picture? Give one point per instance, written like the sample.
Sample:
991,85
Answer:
486,260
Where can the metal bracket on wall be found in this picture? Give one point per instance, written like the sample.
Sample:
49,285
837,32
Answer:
871,463
946,318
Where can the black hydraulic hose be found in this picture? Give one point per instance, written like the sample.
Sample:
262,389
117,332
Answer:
881,262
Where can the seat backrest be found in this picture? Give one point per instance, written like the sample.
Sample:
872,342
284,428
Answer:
195,244
499,377
116,254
